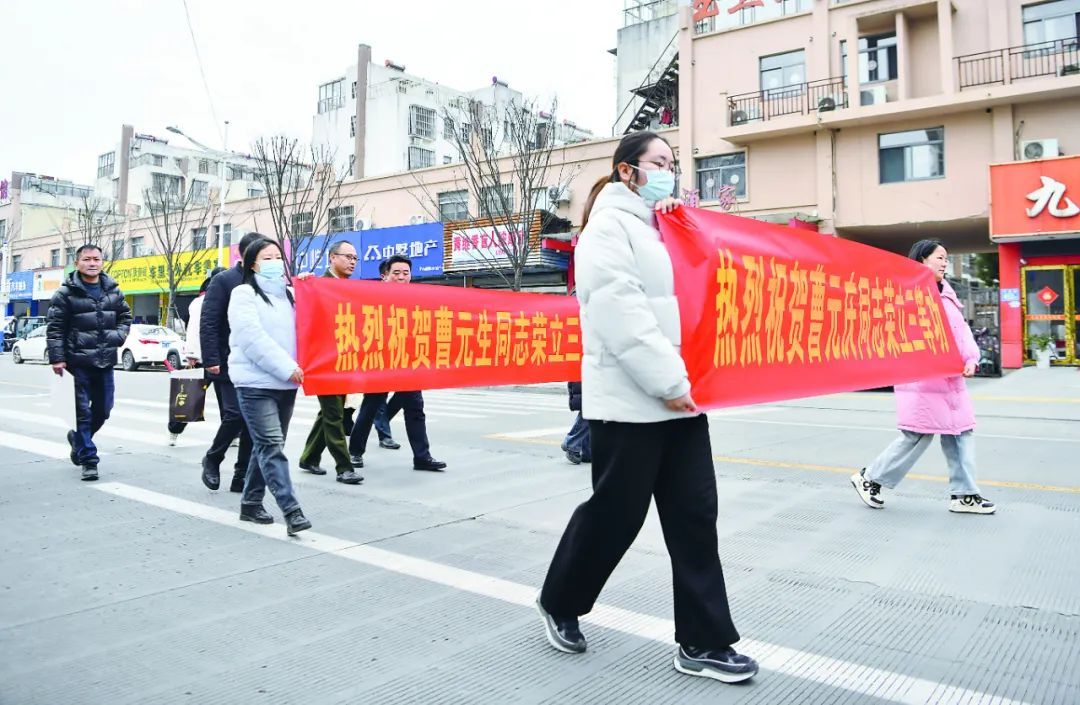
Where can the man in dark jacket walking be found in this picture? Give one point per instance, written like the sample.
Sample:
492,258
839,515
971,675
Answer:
88,320
214,343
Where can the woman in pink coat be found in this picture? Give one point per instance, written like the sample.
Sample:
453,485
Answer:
933,407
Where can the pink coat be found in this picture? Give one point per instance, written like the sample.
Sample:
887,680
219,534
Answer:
941,406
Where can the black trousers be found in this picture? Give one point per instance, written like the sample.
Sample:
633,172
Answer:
412,406
232,425
633,463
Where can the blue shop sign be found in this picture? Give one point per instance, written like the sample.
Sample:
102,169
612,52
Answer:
21,286
423,244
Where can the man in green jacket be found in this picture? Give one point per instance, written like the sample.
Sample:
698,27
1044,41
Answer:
329,429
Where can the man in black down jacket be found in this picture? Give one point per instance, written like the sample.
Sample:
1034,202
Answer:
88,320
214,340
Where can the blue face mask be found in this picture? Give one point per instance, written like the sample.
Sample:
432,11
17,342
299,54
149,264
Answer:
271,269
659,184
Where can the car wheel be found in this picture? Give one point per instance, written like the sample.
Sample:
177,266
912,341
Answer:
174,360
129,362
16,355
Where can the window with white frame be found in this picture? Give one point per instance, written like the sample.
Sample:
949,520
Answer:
166,184
497,200
783,74
226,235
207,166
137,247
420,158
236,173
200,191
877,58
421,122
157,160
1051,21
722,176
447,159
448,128
540,200
453,206
341,219
3,231
352,126
69,256
331,95
105,164
54,258
354,89
302,223
913,155
466,132
198,238
16,263
118,248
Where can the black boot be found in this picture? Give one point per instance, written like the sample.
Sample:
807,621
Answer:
237,484
255,513
296,522
211,476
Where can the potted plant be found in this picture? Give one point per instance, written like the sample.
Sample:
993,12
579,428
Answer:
1041,350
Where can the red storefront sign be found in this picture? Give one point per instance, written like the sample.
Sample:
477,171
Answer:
1033,198
1047,295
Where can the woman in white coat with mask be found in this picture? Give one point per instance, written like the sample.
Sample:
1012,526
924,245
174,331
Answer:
648,438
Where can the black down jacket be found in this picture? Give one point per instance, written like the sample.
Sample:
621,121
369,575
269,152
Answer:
574,388
82,331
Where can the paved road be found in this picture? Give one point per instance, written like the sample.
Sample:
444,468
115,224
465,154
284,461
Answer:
417,588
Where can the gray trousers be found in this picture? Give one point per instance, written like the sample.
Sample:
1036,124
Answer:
889,468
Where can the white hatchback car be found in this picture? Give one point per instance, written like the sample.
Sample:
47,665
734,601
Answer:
32,347
151,345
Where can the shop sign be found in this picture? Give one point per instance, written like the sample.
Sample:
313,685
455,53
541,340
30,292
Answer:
1010,297
422,243
1035,198
487,246
704,9
46,282
149,275
20,286
1047,295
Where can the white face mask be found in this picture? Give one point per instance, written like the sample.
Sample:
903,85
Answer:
659,184
271,269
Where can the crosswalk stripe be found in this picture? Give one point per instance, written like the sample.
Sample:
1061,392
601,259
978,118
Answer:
49,449
113,431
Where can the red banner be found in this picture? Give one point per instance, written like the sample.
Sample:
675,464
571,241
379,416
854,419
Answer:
771,313
363,336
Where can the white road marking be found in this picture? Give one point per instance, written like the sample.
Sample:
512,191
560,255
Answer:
115,430
892,429
836,673
535,433
49,449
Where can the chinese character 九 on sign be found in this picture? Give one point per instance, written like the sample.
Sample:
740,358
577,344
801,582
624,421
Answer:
1051,194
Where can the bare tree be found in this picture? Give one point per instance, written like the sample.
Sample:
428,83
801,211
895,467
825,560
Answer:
303,187
94,221
179,223
500,149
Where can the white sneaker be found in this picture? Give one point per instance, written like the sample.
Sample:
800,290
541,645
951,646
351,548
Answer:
869,492
971,504
172,438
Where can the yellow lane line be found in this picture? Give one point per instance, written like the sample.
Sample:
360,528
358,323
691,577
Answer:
761,462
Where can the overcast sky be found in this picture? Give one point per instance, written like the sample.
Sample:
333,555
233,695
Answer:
74,71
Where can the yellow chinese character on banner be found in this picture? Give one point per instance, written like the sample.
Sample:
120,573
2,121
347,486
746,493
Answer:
444,336
373,347
851,319
483,341
556,354
774,320
937,326
539,339
863,347
421,337
465,333
502,338
348,344
573,337
892,344
834,301
521,339
817,314
751,320
800,290
877,318
399,334
727,310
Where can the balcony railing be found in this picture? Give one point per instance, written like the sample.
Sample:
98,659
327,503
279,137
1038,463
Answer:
1060,57
800,99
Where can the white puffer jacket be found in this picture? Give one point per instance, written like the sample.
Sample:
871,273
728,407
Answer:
629,315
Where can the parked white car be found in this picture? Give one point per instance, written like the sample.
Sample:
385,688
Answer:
151,345
32,347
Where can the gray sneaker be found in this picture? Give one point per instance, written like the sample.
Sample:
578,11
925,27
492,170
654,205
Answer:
869,491
725,665
563,633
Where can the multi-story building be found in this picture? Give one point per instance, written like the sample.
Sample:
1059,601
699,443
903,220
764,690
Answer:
143,164
36,210
646,49
777,120
401,124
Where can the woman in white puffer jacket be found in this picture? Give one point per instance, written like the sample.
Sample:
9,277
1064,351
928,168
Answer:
648,438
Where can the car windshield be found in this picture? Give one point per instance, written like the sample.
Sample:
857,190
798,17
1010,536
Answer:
153,332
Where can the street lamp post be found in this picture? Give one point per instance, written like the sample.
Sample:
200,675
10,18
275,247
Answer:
223,155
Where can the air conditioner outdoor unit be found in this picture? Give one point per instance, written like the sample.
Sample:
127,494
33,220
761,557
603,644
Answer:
559,193
829,103
364,224
875,95
1039,149
417,219
744,115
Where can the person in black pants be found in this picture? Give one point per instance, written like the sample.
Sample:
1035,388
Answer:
398,270
214,343
649,441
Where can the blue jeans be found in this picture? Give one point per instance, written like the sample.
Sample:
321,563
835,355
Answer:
93,402
900,456
267,413
577,440
382,424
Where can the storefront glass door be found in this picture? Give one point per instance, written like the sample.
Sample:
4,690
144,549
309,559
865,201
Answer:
1050,308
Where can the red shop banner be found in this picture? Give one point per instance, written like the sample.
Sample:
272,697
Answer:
365,336
771,313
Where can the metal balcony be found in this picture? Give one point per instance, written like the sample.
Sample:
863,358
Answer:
800,99
1060,57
